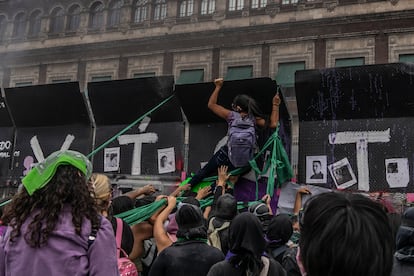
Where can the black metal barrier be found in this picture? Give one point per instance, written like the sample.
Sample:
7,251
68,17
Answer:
356,127
38,120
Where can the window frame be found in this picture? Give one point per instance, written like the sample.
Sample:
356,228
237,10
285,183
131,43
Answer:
160,10
114,14
35,23
207,7
57,20
141,8
96,15
74,14
186,8
19,25
258,4
235,5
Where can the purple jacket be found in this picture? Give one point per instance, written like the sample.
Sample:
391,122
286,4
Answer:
65,253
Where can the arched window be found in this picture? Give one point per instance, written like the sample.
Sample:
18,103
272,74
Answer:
236,5
35,23
160,10
19,25
3,26
208,6
57,20
73,18
96,15
141,11
186,8
114,13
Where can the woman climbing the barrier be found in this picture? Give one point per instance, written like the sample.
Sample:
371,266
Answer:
242,121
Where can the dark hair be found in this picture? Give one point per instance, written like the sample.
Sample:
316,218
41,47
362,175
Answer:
247,243
248,104
190,221
226,207
345,234
317,161
191,200
67,187
122,204
279,231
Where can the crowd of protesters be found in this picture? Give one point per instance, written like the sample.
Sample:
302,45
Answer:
62,223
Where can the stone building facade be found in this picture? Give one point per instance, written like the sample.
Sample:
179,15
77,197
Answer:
47,41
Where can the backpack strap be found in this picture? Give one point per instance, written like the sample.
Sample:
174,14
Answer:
118,236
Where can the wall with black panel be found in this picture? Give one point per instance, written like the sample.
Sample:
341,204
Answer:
356,122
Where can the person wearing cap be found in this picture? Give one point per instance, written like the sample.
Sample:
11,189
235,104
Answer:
190,254
54,227
404,255
262,211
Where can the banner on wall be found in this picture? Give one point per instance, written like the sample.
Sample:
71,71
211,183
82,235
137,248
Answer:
356,128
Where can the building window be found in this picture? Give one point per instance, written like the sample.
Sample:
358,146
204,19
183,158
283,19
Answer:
3,26
160,10
208,6
186,8
257,4
96,15
236,5
409,58
23,83
141,11
19,26
114,13
191,76
343,62
101,78
287,2
239,73
74,18
57,21
35,23
61,80
286,73
144,75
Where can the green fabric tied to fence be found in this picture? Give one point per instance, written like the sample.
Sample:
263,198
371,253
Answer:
278,164
142,213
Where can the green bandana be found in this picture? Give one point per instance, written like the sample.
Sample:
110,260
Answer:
43,172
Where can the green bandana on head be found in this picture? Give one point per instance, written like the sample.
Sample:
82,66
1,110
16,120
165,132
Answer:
43,172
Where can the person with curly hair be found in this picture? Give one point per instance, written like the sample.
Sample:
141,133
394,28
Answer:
54,226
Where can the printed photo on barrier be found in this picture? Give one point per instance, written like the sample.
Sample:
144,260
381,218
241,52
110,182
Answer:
111,161
342,174
316,169
397,172
166,160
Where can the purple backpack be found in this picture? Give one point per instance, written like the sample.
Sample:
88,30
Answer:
242,140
